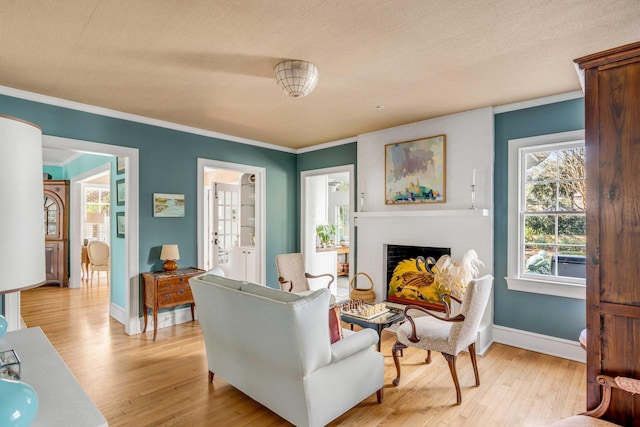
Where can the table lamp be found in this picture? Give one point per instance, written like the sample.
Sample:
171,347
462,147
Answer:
97,219
170,254
22,256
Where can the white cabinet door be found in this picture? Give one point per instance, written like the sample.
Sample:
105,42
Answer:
243,264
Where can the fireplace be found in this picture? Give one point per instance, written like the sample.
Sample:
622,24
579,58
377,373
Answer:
409,283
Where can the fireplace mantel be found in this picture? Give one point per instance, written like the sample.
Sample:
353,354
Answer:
424,213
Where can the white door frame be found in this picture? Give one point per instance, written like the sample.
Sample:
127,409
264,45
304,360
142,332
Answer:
350,169
132,321
260,207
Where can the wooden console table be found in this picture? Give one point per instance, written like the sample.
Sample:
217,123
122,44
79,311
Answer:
163,289
62,401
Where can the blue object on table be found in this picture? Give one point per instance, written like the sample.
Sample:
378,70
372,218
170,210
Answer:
19,403
3,326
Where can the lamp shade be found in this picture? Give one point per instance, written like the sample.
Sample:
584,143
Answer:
169,252
22,256
296,78
95,217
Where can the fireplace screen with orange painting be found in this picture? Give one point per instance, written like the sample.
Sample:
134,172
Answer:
409,280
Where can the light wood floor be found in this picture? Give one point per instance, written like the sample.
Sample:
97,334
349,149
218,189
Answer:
136,381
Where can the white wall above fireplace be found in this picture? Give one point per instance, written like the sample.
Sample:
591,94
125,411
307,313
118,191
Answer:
469,145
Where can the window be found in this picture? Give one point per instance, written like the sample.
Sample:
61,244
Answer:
97,201
547,201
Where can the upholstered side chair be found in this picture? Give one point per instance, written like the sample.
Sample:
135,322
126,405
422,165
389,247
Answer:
292,275
98,253
445,334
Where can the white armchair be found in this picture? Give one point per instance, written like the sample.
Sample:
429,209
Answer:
448,335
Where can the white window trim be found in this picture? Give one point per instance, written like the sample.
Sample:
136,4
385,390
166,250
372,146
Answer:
570,288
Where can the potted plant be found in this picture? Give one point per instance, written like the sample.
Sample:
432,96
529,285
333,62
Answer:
325,232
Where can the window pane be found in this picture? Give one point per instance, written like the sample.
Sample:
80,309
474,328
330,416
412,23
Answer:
537,259
572,262
572,195
541,166
540,229
104,197
92,196
571,163
572,229
540,197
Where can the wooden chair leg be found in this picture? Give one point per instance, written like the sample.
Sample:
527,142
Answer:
474,362
398,346
380,394
451,360
428,359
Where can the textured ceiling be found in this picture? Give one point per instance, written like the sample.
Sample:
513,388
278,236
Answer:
209,64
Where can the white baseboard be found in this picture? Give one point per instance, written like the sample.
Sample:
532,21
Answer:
484,339
117,313
168,318
539,343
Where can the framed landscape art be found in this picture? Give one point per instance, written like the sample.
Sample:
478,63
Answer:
168,205
415,171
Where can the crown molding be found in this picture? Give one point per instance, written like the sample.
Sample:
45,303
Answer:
58,102
327,145
552,99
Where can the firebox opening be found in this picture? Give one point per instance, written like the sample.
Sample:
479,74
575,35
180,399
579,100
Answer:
406,282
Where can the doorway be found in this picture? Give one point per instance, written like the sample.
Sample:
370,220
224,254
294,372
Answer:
231,220
327,227
126,308
96,219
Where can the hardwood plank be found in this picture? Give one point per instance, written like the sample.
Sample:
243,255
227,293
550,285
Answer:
136,381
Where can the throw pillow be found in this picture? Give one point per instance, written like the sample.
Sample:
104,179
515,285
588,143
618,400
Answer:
335,327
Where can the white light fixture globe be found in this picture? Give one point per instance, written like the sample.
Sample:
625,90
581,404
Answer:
296,78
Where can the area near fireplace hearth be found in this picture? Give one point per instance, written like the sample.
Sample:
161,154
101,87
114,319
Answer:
451,225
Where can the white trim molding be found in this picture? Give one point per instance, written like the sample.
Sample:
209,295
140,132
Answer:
545,344
72,105
552,99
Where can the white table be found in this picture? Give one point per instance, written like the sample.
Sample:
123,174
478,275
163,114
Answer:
62,401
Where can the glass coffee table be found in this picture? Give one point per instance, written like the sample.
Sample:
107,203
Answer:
378,323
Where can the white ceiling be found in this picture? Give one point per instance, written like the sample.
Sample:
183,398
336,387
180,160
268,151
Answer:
209,64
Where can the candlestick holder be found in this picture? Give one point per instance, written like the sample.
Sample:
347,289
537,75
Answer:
361,202
473,197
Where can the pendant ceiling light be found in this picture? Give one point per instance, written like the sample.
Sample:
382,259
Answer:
296,78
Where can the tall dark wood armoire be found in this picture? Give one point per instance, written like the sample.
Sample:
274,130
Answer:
56,231
612,128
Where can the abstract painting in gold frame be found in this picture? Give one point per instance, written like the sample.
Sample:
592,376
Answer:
415,171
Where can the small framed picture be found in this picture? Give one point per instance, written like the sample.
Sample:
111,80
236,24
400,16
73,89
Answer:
120,225
120,192
168,205
120,165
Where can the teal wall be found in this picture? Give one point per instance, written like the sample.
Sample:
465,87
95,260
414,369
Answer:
168,164
56,172
542,314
